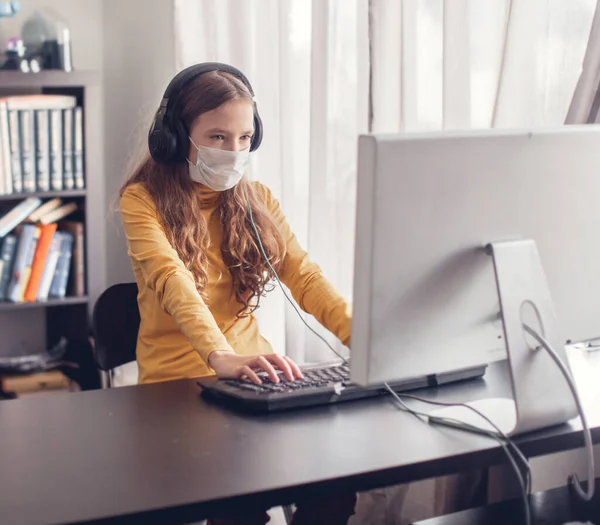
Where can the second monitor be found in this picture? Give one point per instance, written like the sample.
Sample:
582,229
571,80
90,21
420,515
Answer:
425,298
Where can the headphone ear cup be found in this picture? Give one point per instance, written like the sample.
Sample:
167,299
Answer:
161,145
258,132
182,143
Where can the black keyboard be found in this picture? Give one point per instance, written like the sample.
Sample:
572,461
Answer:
321,385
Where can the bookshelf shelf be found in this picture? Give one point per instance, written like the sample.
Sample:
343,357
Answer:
48,78
44,195
67,301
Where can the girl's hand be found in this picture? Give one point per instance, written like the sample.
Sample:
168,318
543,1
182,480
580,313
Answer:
229,365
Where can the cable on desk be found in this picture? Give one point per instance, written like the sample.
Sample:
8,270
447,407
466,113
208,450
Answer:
262,251
573,479
471,428
504,441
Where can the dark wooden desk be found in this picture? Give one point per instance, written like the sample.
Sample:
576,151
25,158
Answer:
160,453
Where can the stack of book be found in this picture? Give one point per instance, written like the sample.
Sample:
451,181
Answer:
41,253
41,144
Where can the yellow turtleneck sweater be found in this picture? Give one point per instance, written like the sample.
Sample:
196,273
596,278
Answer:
178,331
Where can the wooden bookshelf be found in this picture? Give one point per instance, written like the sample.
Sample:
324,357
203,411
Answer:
36,326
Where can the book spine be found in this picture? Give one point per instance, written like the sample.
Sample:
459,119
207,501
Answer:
56,150
39,260
50,267
5,147
28,148
68,176
18,214
29,263
78,149
15,151
7,255
76,287
58,288
23,259
42,150
3,171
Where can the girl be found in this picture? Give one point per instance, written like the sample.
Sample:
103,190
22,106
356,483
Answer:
189,216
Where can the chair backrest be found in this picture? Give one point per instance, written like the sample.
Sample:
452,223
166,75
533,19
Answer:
116,321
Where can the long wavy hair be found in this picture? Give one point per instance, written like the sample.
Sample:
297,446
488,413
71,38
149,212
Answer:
179,205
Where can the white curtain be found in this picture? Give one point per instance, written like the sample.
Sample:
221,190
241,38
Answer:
326,70
466,64
308,63
459,64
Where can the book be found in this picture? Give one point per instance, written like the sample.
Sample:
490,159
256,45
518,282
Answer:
49,267
18,214
5,157
58,213
45,208
28,150
21,270
39,261
39,101
8,250
78,149
67,128
26,383
76,285
15,150
42,149
56,150
58,288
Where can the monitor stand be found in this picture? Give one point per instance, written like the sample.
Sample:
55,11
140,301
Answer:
541,396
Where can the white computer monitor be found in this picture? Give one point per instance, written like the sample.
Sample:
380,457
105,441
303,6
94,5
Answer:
425,295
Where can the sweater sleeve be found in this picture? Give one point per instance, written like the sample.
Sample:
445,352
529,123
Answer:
165,273
305,279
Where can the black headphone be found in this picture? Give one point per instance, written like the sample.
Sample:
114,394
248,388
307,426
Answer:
168,137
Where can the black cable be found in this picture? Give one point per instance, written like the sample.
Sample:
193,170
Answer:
262,250
502,434
465,426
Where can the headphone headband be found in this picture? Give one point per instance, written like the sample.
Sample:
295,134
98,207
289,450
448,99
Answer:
167,139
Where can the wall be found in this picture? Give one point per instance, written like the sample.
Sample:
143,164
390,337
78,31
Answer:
138,61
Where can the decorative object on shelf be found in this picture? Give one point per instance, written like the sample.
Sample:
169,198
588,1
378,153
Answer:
11,50
15,56
44,43
47,40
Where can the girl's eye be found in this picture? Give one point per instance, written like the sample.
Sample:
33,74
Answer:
246,137
218,137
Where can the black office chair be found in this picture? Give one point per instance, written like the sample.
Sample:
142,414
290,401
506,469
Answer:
116,321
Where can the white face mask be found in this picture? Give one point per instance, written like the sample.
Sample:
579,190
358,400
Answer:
219,169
